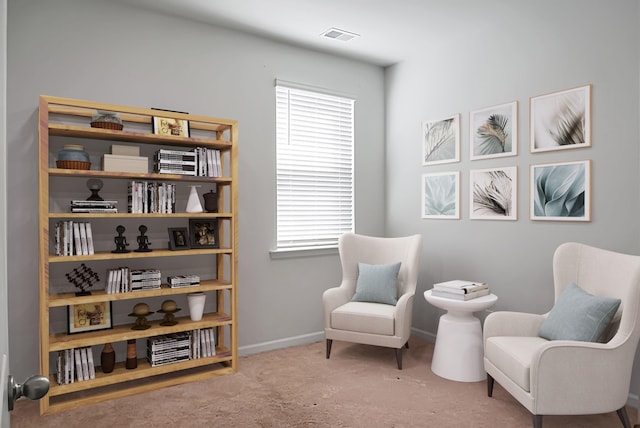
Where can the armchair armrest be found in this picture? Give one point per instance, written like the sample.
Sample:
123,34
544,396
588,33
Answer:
580,377
334,297
404,315
505,323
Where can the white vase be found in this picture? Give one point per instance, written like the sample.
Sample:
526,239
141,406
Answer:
196,305
193,204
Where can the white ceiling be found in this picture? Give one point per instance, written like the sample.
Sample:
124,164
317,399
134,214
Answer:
388,29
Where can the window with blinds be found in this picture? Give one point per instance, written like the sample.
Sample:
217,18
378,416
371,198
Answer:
314,156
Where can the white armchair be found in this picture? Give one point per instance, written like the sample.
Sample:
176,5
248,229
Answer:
569,377
373,323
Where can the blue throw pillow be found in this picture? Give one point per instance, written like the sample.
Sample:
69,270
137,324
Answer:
578,315
377,283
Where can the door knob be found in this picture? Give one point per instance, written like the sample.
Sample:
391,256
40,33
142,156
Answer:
34,388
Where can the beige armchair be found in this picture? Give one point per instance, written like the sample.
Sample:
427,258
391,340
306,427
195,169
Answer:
373,323
570,377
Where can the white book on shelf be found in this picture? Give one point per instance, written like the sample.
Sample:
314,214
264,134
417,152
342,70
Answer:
83,238
92,368
218,164
212,336
85,363
76,240
78,365
89,239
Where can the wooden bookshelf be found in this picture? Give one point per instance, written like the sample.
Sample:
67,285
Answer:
64,120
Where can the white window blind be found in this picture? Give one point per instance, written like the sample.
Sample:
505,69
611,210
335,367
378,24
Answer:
315,137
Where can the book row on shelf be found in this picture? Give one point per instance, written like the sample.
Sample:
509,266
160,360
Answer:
188,345
460,290
201,161
73,238
145,197
75,364
124,280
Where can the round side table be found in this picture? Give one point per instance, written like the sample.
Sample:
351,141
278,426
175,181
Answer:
459,352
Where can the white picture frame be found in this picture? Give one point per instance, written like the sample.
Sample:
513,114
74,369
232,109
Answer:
561,191
560,120
493,193
441,140
441,195
493,131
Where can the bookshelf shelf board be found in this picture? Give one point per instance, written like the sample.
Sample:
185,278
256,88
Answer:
144,385
65,299
140,215
144,369
134,137
94,173
134,255
61,341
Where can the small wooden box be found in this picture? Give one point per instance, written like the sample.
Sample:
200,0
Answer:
121,163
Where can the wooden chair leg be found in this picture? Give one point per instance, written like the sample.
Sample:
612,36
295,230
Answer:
537,421
407,345
624,417
399,357
490,382
329,343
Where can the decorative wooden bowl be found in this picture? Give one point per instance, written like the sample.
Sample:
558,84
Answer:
69,164
107,125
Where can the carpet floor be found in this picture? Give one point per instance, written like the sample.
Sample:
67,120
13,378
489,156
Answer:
360,386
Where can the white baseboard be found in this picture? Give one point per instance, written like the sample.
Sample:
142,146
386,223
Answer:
633,401
280,343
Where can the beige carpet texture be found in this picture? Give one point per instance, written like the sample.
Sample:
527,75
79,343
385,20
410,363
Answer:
360,386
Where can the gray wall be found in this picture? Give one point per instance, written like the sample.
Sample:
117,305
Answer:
478,55
103,51
493,52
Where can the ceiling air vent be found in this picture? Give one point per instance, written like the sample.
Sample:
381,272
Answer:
335,33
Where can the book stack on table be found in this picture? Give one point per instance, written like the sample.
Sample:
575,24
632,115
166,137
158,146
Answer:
460,290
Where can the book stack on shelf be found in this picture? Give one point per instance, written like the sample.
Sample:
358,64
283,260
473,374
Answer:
73,238
169,348
144,197
94,206
145,279
201,161
460,290
75,364
180,281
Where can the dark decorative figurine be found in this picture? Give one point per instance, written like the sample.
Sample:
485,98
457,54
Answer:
169,308
121,241
210,201
141,312
83,278
143,240
94,184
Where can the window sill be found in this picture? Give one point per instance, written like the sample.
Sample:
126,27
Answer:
303,252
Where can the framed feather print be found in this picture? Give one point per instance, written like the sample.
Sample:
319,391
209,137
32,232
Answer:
493,194
494,131
561,120
441,140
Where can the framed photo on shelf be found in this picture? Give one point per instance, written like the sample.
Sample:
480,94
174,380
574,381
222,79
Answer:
179,238
441,140
204,233
493,131
89,317
170,126
441,195
561,120
493,194
561,191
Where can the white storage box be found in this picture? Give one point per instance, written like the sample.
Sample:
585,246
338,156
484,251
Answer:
121,163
